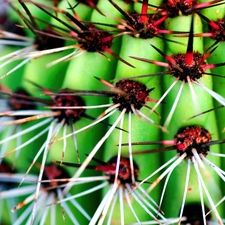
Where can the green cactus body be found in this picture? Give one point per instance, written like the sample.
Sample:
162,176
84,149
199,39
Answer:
133,59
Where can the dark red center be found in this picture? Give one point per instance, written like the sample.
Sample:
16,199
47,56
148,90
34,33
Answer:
67,99
124,175
193,70
53,172
192,137
94,39
135,93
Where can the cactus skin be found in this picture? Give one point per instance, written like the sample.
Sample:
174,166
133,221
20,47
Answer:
81,71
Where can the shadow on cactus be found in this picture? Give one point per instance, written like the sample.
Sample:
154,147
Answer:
50,191
55,119
44,41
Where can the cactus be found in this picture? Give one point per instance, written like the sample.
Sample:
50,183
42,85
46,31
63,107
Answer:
96,96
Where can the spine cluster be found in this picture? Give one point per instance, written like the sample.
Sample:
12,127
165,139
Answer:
112,112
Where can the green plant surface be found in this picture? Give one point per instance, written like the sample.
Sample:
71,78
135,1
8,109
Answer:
106,42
